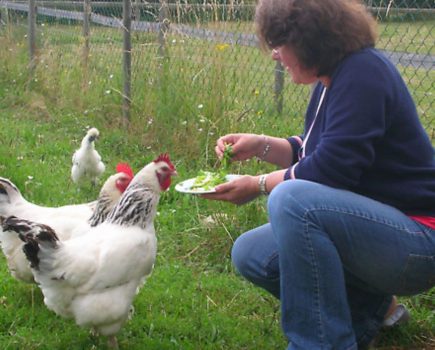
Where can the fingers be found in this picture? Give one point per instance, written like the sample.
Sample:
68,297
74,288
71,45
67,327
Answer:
221,192
222,142
225,140
219,152
220,147
238,191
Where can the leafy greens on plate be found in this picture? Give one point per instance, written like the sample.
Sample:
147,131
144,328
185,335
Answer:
208,180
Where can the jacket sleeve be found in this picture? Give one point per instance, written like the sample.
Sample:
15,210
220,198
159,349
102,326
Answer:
295,143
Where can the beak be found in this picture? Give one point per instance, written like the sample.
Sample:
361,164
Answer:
174,173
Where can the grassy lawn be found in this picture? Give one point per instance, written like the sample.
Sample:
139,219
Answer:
194,299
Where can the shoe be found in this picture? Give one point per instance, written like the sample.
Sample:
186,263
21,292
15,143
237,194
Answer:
400,315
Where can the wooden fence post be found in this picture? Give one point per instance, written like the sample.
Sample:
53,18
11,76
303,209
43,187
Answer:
164,27
136,10
126,14
86,36
4,16
32,36
279,86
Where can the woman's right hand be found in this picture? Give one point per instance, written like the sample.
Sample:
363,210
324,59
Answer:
244,146
238,191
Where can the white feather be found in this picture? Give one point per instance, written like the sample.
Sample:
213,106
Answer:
87,163
94,277
67,221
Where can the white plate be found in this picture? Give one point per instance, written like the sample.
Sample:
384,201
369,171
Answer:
186,186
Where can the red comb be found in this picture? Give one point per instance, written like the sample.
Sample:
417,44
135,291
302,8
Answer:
124,168
164,157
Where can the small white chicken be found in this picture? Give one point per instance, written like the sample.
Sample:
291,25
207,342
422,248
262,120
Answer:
66,220
86,161
94,277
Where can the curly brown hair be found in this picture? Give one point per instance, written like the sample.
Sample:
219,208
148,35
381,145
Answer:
320,32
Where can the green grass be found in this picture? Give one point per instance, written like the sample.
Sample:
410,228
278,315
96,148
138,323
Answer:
193,299
416,37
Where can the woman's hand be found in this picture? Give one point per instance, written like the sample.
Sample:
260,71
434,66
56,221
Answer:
244,146
238,191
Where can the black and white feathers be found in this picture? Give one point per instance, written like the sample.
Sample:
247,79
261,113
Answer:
12,202
68,220
94,277
29,231
110,193
86,161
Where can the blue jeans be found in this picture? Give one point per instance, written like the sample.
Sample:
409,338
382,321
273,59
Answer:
334,259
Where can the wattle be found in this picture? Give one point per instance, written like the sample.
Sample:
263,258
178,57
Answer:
165,182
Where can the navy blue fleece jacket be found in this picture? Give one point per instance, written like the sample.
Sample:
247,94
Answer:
367,137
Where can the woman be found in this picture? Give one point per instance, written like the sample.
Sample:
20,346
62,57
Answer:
352,212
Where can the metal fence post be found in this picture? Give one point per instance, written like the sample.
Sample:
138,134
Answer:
32,35
126,60
279,86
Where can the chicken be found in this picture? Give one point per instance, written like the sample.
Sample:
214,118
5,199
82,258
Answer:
66,219
87,164
94,277
110,193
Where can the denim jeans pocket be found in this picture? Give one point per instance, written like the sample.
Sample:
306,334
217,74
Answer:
418,275
271,266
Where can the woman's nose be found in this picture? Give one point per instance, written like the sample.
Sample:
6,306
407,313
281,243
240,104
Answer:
275,55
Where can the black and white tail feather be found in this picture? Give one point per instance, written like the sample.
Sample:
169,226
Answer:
33,235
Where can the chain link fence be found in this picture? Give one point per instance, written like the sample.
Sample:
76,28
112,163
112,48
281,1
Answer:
207,54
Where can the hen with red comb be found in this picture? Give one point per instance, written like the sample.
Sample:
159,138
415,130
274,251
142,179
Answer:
65,219
124,168
94,277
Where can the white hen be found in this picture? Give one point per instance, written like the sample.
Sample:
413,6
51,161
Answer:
94,277
87,164
66,220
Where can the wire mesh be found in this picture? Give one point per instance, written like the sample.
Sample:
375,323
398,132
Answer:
207,52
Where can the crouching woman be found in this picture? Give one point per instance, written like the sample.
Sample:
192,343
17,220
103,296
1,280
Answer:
352,212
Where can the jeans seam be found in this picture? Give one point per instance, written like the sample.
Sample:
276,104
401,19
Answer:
314,268
366,217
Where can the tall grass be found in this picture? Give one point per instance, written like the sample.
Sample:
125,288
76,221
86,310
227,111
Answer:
194,299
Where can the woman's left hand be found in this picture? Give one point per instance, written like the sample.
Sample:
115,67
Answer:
238,191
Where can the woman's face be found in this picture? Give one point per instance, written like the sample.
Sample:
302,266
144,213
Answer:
288,59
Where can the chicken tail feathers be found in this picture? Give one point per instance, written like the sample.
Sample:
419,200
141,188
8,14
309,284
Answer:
31,249
32,234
